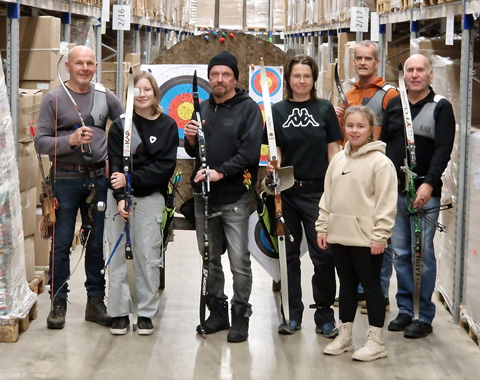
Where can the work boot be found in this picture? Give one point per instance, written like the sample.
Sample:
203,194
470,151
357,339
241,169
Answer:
56,317
218,318
239,330
96,311
374,348
343,342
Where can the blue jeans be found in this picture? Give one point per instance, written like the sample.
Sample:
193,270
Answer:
402,241
71,195
227,231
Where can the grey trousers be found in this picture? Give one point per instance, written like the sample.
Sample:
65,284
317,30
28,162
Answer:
228,230
146,236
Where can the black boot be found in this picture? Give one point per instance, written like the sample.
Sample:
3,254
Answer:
56,318
239,330
96,311
218,318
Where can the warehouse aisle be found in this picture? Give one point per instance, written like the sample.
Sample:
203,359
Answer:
85,350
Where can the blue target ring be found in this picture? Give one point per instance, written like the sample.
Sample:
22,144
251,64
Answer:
275,82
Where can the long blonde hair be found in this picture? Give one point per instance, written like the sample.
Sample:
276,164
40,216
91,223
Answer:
156,109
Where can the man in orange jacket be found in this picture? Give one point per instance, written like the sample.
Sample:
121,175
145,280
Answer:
370,90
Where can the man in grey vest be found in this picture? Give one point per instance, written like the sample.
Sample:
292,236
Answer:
434,133
374,92
71,130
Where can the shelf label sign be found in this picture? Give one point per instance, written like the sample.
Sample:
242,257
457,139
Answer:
450,30
122,15
374,26
359,19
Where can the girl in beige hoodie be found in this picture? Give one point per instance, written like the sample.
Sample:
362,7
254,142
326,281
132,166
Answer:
357,214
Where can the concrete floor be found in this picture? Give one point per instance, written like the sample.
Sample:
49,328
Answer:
84,350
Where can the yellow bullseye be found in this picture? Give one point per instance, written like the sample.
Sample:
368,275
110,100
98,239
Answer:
185,111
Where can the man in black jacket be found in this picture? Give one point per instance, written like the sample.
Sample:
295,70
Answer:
233,127
434,133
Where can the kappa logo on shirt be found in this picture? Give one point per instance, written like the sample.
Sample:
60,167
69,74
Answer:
153,139
300,118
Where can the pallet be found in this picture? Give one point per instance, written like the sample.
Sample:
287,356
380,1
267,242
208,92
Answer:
444,302
10,329
383,7
469,329
37,285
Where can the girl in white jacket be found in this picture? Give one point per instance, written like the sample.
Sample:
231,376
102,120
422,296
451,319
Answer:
357,214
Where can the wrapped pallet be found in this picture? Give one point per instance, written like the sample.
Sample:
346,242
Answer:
16,299
471,299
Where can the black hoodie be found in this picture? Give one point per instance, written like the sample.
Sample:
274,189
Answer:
233,135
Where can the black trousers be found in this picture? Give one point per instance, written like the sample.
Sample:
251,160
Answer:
301,211
355,265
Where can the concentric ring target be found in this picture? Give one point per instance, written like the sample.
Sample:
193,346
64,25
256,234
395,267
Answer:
262,242
274,82
176,98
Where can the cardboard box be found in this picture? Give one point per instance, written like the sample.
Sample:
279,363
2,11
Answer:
28,107
28,244
43,86
41,246
39,44
27,166
134,59
29,206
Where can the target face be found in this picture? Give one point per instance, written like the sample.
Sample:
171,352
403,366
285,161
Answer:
177,101
273,78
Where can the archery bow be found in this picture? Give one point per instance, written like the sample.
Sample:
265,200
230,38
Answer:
273,159
340,89
202,149
127,140
411,193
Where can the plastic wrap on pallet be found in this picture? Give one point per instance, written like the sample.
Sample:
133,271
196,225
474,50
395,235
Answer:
231,14
16,299
471,295
473,7
445,241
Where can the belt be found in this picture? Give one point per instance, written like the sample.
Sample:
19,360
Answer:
79,170
300,187
82,168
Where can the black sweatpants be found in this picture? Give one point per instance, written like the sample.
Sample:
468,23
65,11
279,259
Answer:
355,265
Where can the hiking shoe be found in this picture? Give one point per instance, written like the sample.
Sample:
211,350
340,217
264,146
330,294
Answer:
328,329
218,318
120,325
96,311
239,330
56,317
400,323
343,342
290,328
418,329
374,348
144,326
363,309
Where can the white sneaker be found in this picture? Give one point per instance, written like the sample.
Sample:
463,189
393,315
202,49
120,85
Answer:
343,342
374,348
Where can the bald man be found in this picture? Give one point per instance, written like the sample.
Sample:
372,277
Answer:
77,147
434,130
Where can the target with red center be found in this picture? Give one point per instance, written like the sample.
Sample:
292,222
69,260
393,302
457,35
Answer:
177,101
273,78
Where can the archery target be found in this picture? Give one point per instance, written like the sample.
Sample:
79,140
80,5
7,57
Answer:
274,81
262,251
177,101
